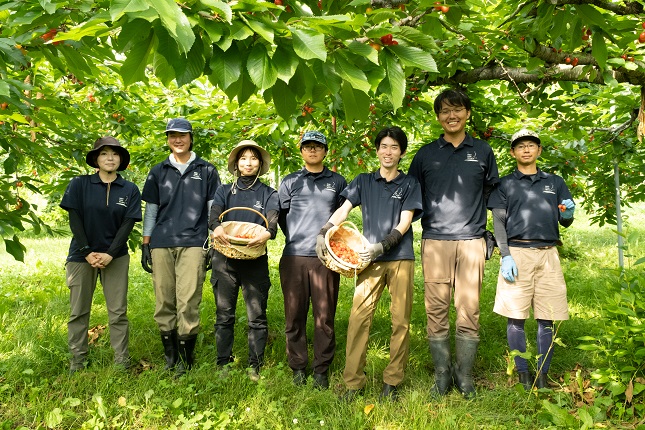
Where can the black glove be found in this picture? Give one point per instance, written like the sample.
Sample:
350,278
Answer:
208,263
146,258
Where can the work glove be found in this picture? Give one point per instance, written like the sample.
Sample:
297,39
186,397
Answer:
146,258
569,208
321,248
208,260
371,252
509,268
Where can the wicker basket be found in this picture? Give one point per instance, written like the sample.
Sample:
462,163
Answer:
351,237
238,248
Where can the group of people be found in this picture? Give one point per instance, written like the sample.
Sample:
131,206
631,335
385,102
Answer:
451,183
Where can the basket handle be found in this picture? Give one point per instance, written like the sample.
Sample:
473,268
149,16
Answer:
246,209
351,224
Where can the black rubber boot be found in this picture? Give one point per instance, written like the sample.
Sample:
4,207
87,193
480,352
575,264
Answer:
465,353
186,349
440,350
526,379
169,341
542,381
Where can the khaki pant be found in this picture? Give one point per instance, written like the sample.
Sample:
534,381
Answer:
453,265
178,277
81,280
539,284
399,277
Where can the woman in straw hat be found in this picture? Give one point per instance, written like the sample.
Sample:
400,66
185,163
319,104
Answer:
247,162
103,208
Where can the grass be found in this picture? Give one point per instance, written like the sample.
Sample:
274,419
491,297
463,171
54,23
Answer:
36,391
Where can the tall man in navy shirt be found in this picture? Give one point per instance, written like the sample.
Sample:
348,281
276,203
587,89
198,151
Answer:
527,207
178,194
389,201
456,173
308,198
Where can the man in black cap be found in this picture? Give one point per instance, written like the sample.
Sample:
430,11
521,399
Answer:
308,198
178,193
103,208
527,207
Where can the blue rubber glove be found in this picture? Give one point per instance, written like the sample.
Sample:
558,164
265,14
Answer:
570,207
509,268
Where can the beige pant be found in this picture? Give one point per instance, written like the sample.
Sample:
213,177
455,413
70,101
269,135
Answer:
453,265
81,280
399,278
539,283
178,276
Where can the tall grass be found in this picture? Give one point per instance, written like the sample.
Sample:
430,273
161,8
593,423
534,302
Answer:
36,391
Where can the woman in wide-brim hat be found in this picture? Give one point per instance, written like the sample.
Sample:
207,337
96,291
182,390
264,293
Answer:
103,208
247,162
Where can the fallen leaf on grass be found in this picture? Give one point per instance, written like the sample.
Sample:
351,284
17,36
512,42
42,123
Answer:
122,401
368,408
94,333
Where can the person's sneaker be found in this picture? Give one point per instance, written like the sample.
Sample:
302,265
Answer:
321,381
299,377
253,374
389,392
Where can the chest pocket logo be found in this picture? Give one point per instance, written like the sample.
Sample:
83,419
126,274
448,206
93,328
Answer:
330,186
196,175
258,205
123,201
398,194
471,156
549,189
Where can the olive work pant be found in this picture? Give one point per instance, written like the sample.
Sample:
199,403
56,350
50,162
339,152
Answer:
398,276
81,280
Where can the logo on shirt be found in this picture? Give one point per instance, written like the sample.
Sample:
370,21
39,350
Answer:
398,194
123,201
471,156
549,189
258,205
330,186
196,175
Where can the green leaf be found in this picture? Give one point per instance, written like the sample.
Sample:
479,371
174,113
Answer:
120,7
284,99
75,61
226,66
10,164
351,74
364,50
239,31
95,29
260,68
4,89
15,248
134,67
639,261
260,28
48,6
599,49
221,8
355,103
415,57
285,62
193,66
590,15
175,22
309,44
395,81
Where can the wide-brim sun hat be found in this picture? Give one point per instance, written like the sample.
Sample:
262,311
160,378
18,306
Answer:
525,134
91,156
266,158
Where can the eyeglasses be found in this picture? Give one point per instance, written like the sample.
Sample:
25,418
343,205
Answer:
310,148
529,146
456,111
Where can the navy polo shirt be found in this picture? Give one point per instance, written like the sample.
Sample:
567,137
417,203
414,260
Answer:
452,182
182,219
308,200
531,203
260,197
102,212
381,205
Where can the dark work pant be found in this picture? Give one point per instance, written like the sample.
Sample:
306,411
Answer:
227,278
304,279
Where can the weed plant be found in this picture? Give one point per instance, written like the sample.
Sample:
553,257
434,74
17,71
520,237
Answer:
37,392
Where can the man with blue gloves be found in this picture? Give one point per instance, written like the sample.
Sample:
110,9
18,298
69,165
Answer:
527,207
